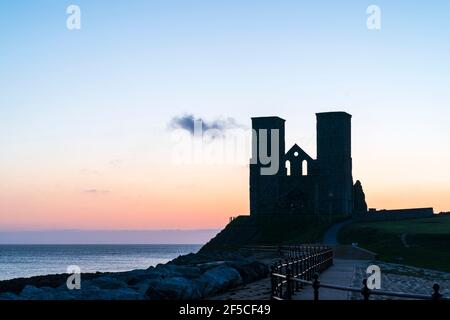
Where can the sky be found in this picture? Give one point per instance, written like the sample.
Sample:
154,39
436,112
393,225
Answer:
86,134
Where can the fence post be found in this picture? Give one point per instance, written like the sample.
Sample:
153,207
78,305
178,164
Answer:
307,267
322,260
365,291
272,281
289,284
436,295
280,287
288,265
302,269
316,286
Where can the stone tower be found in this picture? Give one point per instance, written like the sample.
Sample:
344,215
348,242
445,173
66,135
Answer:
334,163
265,188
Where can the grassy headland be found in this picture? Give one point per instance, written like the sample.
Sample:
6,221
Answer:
270,230
418,242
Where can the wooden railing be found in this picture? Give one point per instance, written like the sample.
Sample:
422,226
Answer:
303,265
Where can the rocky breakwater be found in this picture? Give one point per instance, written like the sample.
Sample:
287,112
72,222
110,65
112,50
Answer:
194,276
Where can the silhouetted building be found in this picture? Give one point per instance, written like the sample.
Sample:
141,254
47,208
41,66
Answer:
303,185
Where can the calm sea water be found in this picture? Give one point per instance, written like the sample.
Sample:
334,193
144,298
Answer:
32,260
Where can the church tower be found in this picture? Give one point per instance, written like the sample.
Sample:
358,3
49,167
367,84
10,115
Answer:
334,162
265,182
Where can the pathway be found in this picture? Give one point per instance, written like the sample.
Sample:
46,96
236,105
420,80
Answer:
330,236
341,274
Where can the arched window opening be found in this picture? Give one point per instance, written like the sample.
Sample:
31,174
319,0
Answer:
304,168
288,167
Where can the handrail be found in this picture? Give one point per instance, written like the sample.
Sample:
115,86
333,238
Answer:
304,266
302,262
366,292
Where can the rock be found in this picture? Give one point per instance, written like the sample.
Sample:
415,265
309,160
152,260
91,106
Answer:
209,265
206,274
93,293
250,270
206,257
8,296
44,293
189,258
359,198
33,293
134,281
176,288
172,270
141,286
219,279
134,277
108,283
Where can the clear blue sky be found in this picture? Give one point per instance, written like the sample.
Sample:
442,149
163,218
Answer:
76,100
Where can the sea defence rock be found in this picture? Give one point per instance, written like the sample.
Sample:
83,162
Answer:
186,278
8,296
250,271
172,270
219,279
108,283
175,288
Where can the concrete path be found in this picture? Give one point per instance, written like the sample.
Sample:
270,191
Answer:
341,274
330,236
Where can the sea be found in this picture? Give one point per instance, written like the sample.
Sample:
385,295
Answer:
18,261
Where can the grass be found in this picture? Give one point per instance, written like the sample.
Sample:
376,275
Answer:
418,242
271,230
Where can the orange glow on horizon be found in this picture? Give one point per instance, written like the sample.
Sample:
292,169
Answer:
164,197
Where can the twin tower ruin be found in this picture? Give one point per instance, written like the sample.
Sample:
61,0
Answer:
303,185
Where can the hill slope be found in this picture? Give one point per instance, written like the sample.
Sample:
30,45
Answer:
418,242
270,230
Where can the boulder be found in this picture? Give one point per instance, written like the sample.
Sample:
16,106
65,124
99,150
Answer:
134,277
93,293
175,288
8,296
210,265
107,282
33,293
219,279
172,270
44,293
140,286
250,270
